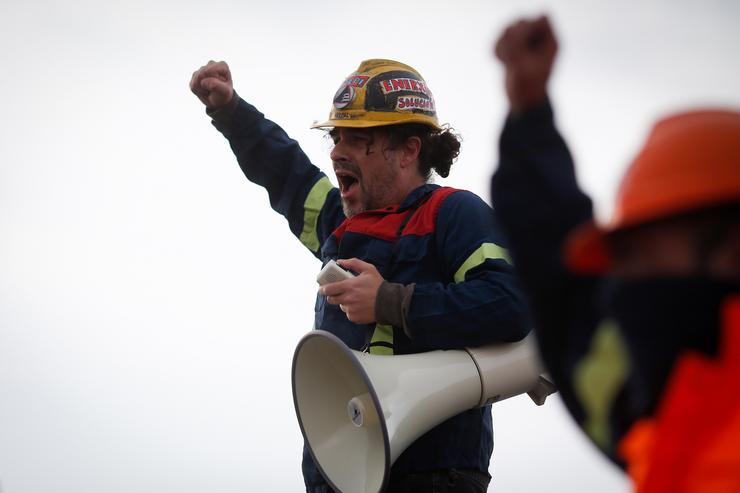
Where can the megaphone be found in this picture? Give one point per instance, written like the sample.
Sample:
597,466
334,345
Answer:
358,412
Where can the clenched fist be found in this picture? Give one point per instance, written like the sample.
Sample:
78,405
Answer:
212,84
527,49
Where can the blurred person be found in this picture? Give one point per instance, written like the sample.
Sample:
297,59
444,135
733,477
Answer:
432,271
638,319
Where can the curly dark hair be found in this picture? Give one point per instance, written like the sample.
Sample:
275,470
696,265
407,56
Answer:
439,148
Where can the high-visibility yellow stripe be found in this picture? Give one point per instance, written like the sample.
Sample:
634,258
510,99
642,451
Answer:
382,333
485,251
311,209
599,377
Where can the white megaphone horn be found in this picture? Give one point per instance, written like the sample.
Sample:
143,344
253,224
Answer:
358,412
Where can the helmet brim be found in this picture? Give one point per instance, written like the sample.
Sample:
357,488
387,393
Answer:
586,249
377,119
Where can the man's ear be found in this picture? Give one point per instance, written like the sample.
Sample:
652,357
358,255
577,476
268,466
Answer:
410,151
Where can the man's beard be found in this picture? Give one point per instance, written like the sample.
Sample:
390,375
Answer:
352,211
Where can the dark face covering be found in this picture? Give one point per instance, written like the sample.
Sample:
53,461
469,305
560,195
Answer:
661,319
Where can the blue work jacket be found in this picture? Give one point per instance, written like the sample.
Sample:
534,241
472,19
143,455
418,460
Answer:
442,240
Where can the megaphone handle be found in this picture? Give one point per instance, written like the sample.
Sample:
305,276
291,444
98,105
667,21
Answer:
541,390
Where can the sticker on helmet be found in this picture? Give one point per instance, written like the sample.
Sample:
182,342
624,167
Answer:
356,80
404,84
344,97
407,103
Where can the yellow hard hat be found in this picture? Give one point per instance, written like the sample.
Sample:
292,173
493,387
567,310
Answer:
382,92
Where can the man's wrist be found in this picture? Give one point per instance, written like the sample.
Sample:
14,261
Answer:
532,113
532,107
392,304
226,110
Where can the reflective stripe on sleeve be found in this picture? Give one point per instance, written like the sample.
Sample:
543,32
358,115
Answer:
598,378
382,340
485,251
311,209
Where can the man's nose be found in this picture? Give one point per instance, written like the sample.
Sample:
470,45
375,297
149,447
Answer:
337,152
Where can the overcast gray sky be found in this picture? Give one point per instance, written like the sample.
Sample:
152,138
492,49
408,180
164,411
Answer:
150,300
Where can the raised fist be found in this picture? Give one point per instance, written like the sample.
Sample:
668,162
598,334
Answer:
527,49
212,84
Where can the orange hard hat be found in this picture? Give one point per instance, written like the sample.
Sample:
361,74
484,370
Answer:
691,161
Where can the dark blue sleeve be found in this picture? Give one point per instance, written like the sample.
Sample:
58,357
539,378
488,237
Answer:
482,302
535,193
268,157
538,202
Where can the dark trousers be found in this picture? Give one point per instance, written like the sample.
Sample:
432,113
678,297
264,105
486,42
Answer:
448,481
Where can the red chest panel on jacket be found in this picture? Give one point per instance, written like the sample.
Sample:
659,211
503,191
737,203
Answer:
385,223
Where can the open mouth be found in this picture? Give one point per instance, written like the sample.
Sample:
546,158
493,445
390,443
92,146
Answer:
347,181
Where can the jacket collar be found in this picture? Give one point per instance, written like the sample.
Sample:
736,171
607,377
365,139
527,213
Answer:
417,194
409,202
